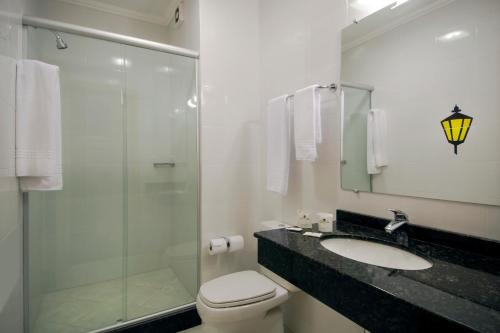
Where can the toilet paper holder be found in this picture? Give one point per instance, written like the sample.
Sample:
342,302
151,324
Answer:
233,243
228,243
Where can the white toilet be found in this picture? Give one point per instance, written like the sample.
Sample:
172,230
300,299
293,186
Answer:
244,302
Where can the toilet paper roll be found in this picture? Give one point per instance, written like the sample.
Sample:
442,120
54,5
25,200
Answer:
217,246
235,242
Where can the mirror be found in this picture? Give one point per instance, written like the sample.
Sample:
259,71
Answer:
420,98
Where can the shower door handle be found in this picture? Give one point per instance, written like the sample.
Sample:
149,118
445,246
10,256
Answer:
163,164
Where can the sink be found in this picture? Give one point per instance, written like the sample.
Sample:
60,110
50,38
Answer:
375,253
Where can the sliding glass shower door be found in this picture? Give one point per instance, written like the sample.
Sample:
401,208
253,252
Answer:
161,239
120,240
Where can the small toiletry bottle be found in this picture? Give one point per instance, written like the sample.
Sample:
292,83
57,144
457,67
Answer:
304,219
325,222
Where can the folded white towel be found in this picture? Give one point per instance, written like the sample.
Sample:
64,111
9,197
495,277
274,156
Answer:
278,145
7,120
307,123
376,147
38,126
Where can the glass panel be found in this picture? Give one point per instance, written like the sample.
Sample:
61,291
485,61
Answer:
127,216
162,181
356,103
76,235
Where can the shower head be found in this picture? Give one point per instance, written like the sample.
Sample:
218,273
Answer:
60,43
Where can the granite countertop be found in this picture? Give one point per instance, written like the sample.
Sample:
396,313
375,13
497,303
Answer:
462,287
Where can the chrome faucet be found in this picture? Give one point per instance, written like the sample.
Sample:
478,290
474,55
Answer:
400,218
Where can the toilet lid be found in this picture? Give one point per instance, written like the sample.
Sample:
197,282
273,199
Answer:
237,289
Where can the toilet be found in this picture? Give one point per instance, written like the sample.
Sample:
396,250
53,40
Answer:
246,301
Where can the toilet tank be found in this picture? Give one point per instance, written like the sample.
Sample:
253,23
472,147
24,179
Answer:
271,225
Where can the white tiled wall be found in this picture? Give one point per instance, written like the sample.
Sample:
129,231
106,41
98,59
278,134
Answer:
230,128
10,208
250,52
300,46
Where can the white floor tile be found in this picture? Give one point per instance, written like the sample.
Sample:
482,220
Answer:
85,308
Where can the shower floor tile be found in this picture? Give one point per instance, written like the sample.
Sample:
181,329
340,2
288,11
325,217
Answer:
89,307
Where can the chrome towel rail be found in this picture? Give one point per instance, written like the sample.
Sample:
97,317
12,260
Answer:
332,87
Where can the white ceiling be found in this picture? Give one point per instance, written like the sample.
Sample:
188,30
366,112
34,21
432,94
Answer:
152,11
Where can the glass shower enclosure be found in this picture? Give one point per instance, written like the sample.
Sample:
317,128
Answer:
120,241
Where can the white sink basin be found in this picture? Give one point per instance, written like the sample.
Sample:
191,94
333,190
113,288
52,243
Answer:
375,253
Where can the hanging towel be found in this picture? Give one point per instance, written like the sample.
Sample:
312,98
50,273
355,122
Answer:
376,146
278,144
307,123
38,126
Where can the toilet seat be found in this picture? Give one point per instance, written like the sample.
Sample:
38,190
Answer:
236,289
238,301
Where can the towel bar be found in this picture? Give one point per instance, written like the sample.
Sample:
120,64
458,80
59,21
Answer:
332,87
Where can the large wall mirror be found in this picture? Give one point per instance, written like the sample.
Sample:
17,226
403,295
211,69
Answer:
421,100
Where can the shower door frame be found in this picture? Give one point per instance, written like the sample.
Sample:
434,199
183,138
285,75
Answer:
145,44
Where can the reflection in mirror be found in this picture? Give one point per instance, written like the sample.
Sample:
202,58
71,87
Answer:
420,105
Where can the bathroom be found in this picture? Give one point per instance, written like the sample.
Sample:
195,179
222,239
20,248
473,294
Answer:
165,202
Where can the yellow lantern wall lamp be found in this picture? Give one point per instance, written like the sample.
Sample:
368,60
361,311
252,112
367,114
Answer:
456,127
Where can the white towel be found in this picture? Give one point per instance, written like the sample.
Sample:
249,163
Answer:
38,126
307,123
278,145
376,145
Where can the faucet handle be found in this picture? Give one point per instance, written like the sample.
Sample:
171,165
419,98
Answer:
399,215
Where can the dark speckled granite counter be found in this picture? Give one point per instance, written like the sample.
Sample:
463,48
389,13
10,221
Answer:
459,293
